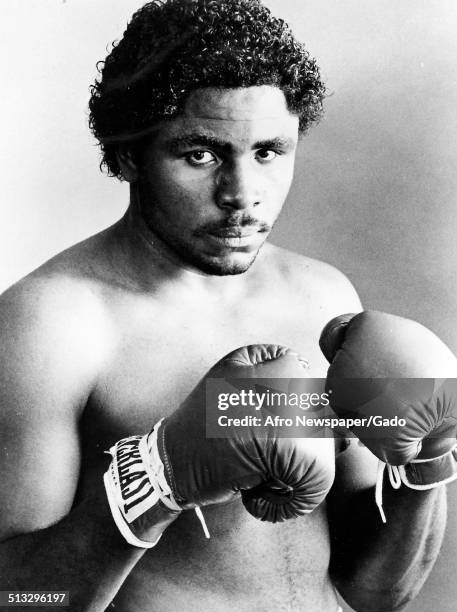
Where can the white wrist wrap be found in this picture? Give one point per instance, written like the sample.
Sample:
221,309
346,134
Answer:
419,474
135,482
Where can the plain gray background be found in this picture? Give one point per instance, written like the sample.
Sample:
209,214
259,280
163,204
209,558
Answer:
375,187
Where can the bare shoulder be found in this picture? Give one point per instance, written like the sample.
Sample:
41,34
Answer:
61,297
52,310
331,288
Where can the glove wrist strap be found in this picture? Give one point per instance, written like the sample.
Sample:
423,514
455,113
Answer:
423,474
419,474
135,482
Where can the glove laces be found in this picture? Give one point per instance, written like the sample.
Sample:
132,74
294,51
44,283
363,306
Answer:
418,474
395,481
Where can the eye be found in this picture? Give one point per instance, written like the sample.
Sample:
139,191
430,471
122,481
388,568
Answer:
200,158
266,155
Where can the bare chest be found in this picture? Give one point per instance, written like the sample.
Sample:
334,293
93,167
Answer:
160,354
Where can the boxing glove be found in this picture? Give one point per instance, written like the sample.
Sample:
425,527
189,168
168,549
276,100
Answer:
176,467
386,369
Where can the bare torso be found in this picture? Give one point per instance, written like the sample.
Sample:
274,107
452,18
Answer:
156,341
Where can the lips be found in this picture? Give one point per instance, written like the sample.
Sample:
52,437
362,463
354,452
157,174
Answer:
235,232
245,239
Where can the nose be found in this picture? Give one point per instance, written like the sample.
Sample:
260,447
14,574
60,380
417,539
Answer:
238,186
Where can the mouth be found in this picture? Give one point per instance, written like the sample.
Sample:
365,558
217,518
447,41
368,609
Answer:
241,238
236,231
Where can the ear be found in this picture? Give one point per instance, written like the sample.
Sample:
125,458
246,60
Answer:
127,164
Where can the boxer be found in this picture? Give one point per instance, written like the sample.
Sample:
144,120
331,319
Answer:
199,107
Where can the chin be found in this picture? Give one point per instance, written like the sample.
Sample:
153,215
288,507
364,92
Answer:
224,270
226,267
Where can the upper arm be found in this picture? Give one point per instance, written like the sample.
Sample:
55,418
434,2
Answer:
45,375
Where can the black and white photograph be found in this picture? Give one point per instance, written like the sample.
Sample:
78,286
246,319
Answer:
228,305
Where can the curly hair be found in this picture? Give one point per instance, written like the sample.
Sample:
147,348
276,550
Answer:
171,48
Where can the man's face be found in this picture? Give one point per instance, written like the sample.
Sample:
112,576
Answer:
213,180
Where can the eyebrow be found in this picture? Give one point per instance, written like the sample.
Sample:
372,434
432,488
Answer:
205,140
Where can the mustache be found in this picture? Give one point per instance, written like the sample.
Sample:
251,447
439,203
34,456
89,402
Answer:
233,222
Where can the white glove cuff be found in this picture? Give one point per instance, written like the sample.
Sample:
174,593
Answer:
135,482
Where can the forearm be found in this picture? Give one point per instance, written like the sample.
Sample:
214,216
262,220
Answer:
84,554
379,566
